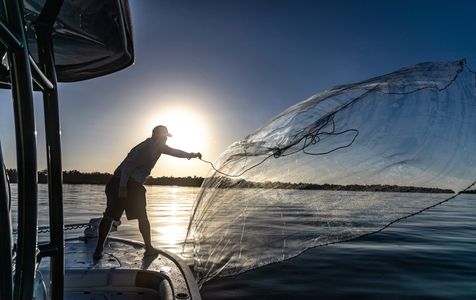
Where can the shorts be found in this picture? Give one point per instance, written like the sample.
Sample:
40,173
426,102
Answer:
134,204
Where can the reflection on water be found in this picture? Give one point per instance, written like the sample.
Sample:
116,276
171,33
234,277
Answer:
169,213
168,208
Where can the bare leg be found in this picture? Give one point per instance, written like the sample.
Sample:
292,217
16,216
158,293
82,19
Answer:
104,227
144,227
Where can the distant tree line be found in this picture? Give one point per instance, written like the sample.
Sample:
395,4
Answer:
223,182
180,181
77,177
469,192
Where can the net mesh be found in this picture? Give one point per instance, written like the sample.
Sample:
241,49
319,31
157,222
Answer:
344,163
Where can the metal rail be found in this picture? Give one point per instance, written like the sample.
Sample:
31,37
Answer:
13,36
25,132
8,38
40,79
55,249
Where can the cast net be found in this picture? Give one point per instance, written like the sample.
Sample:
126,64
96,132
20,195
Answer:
344,163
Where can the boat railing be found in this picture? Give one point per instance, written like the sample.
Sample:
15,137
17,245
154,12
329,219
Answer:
25,74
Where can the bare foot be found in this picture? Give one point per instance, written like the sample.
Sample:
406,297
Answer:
98,254
151,251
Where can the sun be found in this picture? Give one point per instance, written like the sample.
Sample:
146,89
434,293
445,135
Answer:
187,128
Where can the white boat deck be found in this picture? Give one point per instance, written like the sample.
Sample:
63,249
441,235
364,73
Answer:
123,273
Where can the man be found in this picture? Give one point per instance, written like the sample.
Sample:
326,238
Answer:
125,190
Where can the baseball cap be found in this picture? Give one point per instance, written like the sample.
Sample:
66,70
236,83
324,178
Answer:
161,130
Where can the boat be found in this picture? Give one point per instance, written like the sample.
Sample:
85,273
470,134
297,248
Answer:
43,43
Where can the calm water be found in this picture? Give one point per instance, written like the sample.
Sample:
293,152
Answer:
429,256
168,209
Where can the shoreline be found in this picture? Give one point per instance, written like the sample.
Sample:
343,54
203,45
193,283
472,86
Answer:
98,178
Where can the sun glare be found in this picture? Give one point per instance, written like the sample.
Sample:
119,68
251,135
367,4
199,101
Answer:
186,127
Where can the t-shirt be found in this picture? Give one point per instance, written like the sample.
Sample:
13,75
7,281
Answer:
140,161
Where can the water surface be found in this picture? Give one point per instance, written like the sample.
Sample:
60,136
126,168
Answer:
429,256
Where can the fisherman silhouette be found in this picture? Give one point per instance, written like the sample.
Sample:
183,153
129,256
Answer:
125,191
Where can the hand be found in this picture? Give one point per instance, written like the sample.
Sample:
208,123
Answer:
122,192
193,155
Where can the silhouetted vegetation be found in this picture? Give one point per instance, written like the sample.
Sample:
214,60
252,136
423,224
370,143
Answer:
180,181
77,177
230,183
469,192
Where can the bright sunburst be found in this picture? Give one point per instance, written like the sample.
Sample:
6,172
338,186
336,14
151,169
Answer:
187,128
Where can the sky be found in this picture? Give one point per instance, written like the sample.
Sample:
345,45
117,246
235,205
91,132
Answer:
214,71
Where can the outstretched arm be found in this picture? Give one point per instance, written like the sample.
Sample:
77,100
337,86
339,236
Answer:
179,153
